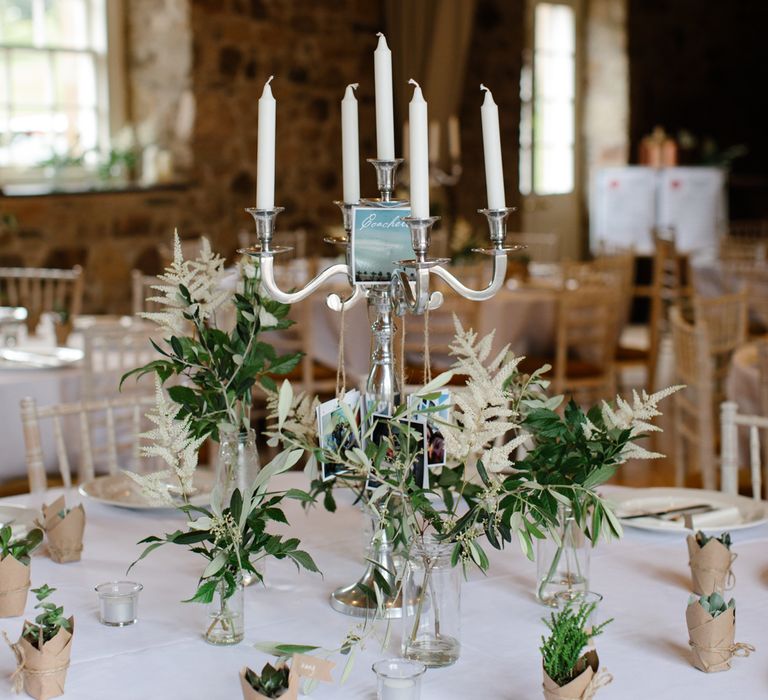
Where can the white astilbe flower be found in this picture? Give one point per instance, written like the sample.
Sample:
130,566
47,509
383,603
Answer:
202,277
482,412
301,420
171,441
636,418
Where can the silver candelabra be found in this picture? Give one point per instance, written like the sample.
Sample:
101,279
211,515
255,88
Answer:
407,291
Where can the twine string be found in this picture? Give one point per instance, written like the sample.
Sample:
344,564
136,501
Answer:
402,357
341,370
427,356
740,649
17,677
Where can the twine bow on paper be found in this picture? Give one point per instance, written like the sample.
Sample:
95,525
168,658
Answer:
17,677
727,651
600,680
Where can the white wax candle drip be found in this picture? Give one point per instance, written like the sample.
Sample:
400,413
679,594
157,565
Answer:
419,153
385,120
350,148
494,172
265,162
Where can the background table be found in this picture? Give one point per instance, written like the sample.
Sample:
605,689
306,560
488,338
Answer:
644,578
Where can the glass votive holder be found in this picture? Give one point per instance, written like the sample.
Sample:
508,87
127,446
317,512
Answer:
118,603
399,679
578,598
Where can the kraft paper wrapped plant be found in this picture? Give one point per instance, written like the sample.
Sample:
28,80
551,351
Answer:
569,671
711,630
64,528
279,681
14,569
43,650
710,559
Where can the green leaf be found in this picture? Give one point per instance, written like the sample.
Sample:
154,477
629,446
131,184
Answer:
284,402
204,593
216,564
303,559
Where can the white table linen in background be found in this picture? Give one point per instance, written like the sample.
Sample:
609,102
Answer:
644,578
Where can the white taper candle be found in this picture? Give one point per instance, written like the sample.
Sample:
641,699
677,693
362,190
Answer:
350,148
494,172
385,120
265,161
419,148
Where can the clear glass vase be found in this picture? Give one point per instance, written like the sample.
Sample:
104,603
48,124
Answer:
238,462
562,570
225,621
431,605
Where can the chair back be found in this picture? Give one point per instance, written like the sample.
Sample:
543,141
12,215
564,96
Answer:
86,419
141,292
730,422
41,290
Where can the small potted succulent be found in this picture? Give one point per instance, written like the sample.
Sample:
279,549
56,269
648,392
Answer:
14,569
43,650
64,529
272,682
710,559
571,670
711,631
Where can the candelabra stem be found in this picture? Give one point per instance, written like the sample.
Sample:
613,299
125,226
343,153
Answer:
382,388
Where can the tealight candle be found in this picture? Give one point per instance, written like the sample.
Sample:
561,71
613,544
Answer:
399,679
118,603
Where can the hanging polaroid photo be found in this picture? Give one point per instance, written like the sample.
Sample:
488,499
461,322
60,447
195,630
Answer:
384,430
433,413
335,432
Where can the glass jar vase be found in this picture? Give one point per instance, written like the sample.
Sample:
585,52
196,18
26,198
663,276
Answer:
562,570
431,605
225,619
238,462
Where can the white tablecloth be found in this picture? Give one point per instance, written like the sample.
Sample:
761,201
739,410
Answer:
644,579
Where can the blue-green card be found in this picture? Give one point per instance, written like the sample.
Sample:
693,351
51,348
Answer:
380,238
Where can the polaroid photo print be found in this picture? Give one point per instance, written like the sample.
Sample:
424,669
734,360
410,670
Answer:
418,432
335,433
433,413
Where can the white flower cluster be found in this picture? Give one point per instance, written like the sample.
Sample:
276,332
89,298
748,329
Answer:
482,413
170,441
635,417
300,420
203,279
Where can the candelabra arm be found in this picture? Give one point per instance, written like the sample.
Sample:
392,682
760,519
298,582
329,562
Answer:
266,262
336,303
413,297
499,273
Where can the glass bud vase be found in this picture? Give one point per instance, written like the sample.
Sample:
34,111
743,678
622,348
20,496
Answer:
238,462
431,605
562,571
225,621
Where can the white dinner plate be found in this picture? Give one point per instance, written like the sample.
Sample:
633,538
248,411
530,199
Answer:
731,512
20,518
38,357
122,491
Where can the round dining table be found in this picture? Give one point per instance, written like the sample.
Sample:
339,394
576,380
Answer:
644,579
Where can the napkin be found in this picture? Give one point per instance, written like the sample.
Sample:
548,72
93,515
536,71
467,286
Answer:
722,517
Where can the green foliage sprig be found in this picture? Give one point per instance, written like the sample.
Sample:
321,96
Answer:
271,683
49,622
714,604
232,539
562,651
724,539
20,548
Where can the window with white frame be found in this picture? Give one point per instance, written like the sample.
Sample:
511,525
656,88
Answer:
54,96
548,103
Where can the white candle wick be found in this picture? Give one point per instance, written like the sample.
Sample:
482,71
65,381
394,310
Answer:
413,82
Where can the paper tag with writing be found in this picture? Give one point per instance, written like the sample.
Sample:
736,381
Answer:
313,667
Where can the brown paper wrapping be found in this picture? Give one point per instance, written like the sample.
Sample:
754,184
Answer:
43,672
710,566
250,694
14,584
65,535
584,686
711,639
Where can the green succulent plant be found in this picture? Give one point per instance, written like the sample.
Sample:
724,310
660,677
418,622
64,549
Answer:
724,539
20,548
272,682
49,622
714,604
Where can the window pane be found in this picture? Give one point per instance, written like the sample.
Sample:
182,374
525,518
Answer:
75,79
17,25
554,28
554,76
553,172
30,137
4,97
554,123
66,23
30,73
